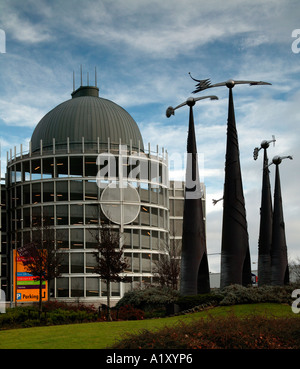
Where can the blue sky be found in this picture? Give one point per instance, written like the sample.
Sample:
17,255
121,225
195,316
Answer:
143,51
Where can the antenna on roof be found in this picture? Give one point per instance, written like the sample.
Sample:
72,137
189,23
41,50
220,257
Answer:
88,78
73,81
80,74
95,76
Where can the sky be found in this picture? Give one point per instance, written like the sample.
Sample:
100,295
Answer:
143,51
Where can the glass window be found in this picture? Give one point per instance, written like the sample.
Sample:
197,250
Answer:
64,263
115,289
127,238
48,191
76,214
26,194
77,263
136,263
61,167
36,193
91,214
77,287
179,208
48,168
92,286
26,170
62,191
146,263
26,217
145,239
154,217
155,240
91,169
36,169
48,214
77,238
128,260
91,190
62,239
18,172
154,194
90,263
91,236
62,285
135,239
76,166
62,215
76,190
36,216
144,192
18,196
145,216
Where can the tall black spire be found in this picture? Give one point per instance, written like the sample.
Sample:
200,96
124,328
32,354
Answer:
194,273
266,215
235,256
279,259
194,265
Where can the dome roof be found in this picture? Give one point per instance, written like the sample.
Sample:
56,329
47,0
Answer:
89,116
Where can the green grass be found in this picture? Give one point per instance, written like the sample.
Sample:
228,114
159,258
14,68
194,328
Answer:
105,334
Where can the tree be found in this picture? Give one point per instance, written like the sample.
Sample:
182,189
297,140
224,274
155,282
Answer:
110,260
41,259
167,267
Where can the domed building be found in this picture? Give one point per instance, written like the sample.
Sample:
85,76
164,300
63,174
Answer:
87,166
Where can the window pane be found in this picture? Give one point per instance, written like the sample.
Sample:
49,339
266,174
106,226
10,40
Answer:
77,238
91,168
76,167
36,193
62,191
62,238
48,168
76,190
61,167
36,169
91,214
91,238
90,263
76,214
92,286
77,263
145,239
91,190
62,285
77,287
62,215
48,192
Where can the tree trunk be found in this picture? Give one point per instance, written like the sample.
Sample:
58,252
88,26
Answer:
109,319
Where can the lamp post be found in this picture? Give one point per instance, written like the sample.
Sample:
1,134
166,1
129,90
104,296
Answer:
194,273
235,254
279,259
265,228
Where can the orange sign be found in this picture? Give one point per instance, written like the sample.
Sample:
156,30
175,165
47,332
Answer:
26,288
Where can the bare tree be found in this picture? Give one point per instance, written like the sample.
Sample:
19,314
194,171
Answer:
110,261
41,259
167,267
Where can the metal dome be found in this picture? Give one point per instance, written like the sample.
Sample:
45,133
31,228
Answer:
89,116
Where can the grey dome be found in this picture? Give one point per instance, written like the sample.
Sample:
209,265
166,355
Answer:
89,116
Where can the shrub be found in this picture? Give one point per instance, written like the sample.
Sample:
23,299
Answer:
252,332
189,302
149,299
128,312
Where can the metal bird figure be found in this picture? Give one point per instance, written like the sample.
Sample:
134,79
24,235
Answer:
171,111
264,145
204,84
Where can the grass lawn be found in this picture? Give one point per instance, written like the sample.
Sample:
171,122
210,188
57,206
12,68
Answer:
103,334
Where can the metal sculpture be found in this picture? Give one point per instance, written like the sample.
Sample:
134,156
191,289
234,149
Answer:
235,255
265,228
279,259
194,274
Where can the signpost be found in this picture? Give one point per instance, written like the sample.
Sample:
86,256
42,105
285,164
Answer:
26,288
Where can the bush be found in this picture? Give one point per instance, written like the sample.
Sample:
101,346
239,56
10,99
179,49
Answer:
189,302
128,312
252,332
237,294
149,299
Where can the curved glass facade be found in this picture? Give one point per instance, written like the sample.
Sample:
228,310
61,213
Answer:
77,191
